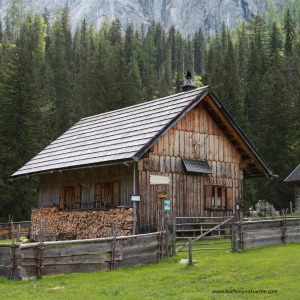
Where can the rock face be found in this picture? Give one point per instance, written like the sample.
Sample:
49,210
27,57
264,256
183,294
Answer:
186,15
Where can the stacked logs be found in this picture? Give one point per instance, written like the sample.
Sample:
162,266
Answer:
65,225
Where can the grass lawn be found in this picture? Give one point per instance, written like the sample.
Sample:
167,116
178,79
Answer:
264,269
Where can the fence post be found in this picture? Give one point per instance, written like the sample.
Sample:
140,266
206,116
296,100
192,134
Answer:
283,224
167,235
241,236
233,237
174,234
190,251
113,247
40,252
13,252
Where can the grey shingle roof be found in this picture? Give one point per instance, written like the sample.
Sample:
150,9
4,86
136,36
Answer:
118,135
294,176
124,135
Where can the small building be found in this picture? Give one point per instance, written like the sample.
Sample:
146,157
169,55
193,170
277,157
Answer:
295,178
185,148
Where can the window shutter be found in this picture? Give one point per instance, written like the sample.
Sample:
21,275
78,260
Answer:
207,196
77,197
116,194
229,198
98,188
62,197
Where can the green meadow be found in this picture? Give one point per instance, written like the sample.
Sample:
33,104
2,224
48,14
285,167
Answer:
271,272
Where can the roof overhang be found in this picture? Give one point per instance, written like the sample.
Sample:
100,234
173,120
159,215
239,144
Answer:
253,163
125,162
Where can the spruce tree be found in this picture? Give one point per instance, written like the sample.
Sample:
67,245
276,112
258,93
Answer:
21,117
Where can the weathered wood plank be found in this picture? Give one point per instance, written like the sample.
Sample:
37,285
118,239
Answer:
75,268
176,149
134,252
250,243
293,237
81,259
54,251
261,235
5,261
138,260
138,242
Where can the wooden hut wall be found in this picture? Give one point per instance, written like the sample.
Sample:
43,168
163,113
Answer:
186,189
86,178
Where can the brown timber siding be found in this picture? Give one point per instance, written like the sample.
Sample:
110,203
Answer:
49,190
187,190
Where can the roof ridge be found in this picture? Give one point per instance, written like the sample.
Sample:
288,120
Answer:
145,103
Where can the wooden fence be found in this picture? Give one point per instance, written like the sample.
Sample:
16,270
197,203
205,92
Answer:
21,261
202,228
265,232
14,229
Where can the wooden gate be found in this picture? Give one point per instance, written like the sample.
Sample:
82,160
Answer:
216,231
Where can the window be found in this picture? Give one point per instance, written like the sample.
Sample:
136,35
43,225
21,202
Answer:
70,197
218,197
107,194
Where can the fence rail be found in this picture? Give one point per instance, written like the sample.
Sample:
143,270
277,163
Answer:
8,230
20,261
265,232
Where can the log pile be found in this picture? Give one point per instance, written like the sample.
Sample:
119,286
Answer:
62,225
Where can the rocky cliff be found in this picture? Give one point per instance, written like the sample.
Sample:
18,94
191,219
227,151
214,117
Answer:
186,15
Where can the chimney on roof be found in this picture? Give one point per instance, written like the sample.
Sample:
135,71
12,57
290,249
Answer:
189,84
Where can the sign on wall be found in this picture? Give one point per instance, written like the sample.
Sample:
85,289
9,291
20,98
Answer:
136,198
167,205
157,179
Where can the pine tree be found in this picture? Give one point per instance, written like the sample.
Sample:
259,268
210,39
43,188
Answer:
15,16
60,61
21,116
289,29
233,96
199,52
148,65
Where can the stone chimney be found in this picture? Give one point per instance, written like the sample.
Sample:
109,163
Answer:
189,84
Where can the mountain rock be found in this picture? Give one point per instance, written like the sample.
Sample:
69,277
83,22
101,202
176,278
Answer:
185,15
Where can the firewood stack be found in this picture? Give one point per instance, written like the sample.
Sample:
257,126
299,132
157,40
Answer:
62,225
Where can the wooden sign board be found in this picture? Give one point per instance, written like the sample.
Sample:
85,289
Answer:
136,198
157,180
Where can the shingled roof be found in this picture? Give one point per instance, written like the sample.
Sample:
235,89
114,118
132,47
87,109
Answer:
294,176
121,135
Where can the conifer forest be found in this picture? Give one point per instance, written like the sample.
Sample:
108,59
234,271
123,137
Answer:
52,75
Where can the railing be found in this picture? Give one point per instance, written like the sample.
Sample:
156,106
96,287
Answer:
203,226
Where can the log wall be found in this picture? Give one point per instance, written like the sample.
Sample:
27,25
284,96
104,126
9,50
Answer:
195,136
267,232
62,225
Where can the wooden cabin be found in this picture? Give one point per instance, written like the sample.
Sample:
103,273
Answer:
294,177
188,139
